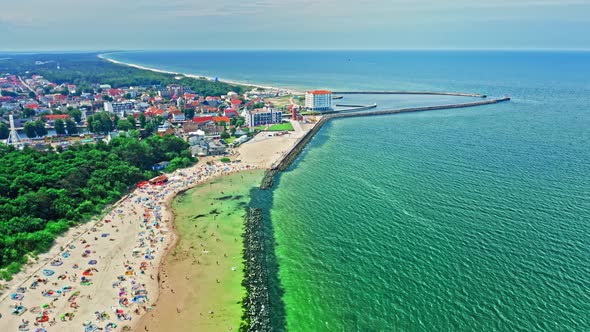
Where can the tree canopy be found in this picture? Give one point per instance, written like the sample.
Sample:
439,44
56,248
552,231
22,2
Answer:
87,69
44,193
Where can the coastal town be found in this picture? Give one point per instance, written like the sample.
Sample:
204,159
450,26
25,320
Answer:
107,256
107,274
43,114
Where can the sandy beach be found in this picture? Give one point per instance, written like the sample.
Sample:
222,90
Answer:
201,277
291,91
106,276
105,273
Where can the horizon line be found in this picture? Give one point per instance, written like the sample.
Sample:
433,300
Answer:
106,51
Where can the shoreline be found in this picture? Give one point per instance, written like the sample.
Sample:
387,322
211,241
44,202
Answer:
96,300
156,236
189,264
103,56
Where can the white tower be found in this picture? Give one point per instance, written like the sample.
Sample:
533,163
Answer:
13,138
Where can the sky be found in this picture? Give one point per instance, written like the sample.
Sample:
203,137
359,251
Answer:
34,25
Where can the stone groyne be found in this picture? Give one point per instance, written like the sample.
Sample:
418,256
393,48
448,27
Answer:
257,315
290,157
256,303
353,108
434,93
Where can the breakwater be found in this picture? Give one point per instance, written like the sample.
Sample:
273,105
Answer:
433,93
256,303
353,108
290,157
257,316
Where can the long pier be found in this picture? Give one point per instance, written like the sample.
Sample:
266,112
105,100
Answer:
434,93
290,157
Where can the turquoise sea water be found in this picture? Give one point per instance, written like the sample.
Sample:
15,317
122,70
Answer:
458,220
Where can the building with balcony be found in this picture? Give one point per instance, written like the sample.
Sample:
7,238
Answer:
318,100
263,116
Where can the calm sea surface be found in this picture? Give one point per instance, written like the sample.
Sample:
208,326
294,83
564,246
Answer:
459,220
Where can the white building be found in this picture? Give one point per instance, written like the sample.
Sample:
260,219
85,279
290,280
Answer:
108,107
318,100
263,116
121,108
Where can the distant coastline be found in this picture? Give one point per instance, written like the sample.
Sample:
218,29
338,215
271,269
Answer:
104,56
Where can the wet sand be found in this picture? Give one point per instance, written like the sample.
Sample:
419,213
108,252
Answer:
200,288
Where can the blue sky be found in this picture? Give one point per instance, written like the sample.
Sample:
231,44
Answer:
293,24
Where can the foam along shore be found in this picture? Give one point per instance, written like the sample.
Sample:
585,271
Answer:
266,87
106,275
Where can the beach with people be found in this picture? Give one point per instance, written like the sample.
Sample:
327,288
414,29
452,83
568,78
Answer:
106,276
108,273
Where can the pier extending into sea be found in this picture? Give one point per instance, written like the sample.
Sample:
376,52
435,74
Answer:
432,93
290,157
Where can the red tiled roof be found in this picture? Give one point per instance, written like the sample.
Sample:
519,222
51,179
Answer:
236,102
202,119
320,92
56,116
221,118
154,111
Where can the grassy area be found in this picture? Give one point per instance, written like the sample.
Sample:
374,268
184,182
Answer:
287,126
286,100
230,139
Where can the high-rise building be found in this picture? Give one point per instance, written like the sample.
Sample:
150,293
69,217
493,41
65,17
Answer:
318,100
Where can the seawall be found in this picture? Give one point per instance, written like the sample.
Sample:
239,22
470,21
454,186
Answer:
458,94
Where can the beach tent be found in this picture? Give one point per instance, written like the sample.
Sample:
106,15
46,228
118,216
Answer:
19,310
140,299
92,262
90,328
48,272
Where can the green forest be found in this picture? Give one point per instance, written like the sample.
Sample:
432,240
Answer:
86,69
43,193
